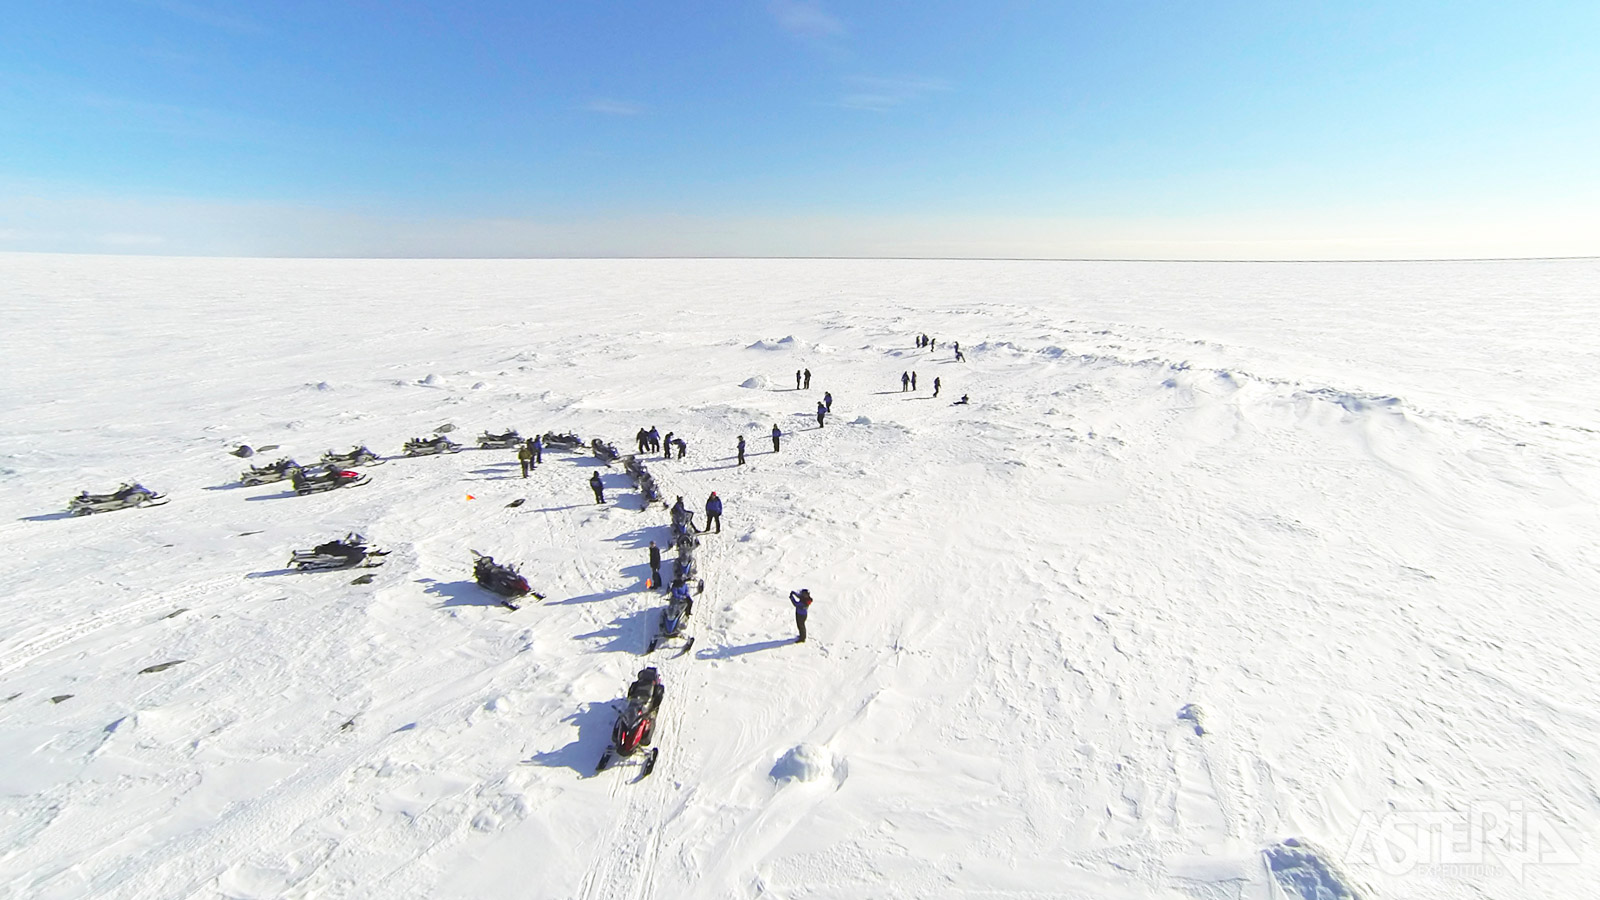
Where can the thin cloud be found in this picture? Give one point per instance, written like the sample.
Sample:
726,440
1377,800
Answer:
609,107
208,14
807,21
883,94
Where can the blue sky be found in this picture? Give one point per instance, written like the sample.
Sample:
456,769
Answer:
930,128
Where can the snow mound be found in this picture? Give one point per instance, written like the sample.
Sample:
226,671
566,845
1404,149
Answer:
1195,716
322,386
479,385
1304,874
784,343
756,381
431,380
1354,402
804,762
861,420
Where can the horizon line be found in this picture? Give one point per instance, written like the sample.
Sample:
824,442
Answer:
1158,259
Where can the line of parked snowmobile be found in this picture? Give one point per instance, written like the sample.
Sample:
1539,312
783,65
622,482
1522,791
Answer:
634,726
333,471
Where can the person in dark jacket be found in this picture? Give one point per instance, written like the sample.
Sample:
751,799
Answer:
666,445
713,513
655,566
913,381
525,456
905,381
678,442
775,435
598,487
936,386
822,412
538,451
797,379
652,440
959,357
808,379
741,449
641,438
802,605
827,400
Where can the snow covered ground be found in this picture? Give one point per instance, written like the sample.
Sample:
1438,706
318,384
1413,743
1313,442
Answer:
1219,556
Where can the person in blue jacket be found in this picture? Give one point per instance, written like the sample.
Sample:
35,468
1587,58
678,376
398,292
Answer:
802,603
822,413
713,513
827,400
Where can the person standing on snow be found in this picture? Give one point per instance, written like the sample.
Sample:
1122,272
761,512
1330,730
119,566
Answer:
666,452
538,450
913,381
525,456
741,449
797,379
713,513
640,439
655,566
652,440
827,400
678,442
959,357
599,488
775,435
936,386
905,381
808,379
802,606
822,412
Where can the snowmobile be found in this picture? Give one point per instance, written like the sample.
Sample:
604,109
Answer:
510,439
683,566
675,619
568,441
342,554
647,486
636,723
325,479
501,579
123,497
429,446
355,458
269,473
606,453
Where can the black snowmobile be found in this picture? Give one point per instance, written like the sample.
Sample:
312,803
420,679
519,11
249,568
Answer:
326,478
606,453
429,446
674,622
568,441
501,579
354,458
636,724
269,473
123,497
506,441
342,554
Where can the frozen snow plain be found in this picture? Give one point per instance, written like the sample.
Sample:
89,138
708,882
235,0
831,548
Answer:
1219,556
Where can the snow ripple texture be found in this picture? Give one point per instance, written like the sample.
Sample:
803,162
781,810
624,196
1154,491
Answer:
1222,568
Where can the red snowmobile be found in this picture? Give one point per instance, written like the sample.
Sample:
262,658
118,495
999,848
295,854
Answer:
636,723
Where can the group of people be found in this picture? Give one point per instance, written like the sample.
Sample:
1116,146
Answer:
530,454
932,343
908,381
